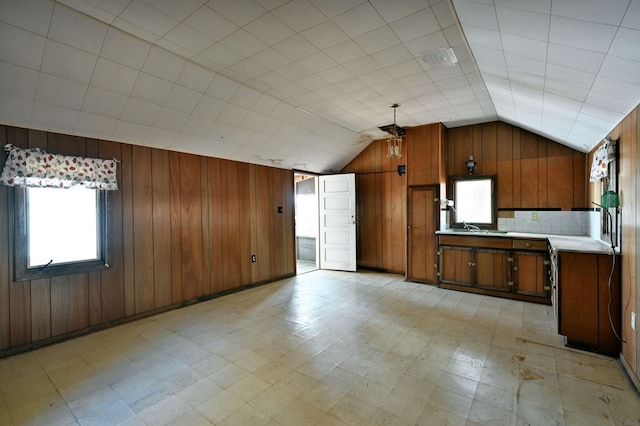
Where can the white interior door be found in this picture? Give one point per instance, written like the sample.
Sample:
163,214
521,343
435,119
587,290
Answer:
337,194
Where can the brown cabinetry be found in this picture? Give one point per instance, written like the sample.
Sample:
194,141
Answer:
587,300
497,266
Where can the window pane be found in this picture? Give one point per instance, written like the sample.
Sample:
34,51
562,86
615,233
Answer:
473,201
62,225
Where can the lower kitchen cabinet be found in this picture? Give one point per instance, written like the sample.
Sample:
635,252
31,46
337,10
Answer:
497,266
587,300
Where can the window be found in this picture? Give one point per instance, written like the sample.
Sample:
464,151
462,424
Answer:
60,231
474,201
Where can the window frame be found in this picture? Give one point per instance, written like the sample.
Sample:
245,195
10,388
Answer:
21,240
493,224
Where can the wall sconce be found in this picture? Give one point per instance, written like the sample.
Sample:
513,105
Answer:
471,165
402,169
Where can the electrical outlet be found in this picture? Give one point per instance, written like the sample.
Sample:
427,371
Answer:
534,215
633,320
253,258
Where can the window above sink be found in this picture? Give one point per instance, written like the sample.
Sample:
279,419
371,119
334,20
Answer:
474,202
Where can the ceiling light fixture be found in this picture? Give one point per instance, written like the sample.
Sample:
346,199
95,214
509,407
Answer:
440,58
395,138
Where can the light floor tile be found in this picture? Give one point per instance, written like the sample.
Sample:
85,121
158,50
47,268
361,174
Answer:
325,348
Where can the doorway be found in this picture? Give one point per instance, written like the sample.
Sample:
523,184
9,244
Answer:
306,220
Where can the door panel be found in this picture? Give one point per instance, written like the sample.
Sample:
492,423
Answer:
423,221
338,222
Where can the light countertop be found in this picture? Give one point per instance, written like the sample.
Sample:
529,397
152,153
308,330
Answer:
573,243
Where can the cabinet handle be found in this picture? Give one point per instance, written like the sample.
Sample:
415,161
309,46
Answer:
515,268
527,244
546,263
509,259
435,265
547,288
510,283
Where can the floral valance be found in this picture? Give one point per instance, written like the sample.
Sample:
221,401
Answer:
37,168
601,159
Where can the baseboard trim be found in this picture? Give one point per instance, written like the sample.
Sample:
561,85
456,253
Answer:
629,373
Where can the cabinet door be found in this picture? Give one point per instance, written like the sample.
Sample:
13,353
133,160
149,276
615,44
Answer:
491,269
456,265
530,273
423,221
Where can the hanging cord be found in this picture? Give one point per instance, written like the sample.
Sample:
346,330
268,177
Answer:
613,265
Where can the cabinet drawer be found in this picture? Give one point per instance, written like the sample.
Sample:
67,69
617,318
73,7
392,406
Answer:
472,241
540,245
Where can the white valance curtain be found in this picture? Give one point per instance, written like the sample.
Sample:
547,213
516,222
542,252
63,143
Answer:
36,168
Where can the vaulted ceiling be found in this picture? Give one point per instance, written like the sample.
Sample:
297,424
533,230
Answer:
305,84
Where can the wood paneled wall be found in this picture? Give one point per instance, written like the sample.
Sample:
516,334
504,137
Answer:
184,228
628,132
532,171
382,195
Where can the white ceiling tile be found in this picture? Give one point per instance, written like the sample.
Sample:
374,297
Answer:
170,46
89,9
196,126
476,14
244,43
422,45
189,39
140,112
416,25
72,28
359,20
570,57
151,89
232,115
195,77
246,70
299,15
21,47
375,77
377,40
581,34
30,15
296,47
605,114
317,62
611,103
570,76
112,7
14,110
182,99
526,24
271,4
211,24
245,97
222,88
444,13
222,55
60,92
345,52
478,36
67,62
566,90
135,31
209,107
516,63
144,16
632,17
129,132
269,29
240,12
405,69
610,12
124,49
334,75
392,11
621,69
325,35
94,125
357,65
293,72
103,102
619,89
170,119
18,82
53,118
177,10
163,64
625,44
522,46
113,76
161,138
455,38
270,60
333,8
392,56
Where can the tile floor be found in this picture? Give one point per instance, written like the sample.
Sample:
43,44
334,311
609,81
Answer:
325,348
